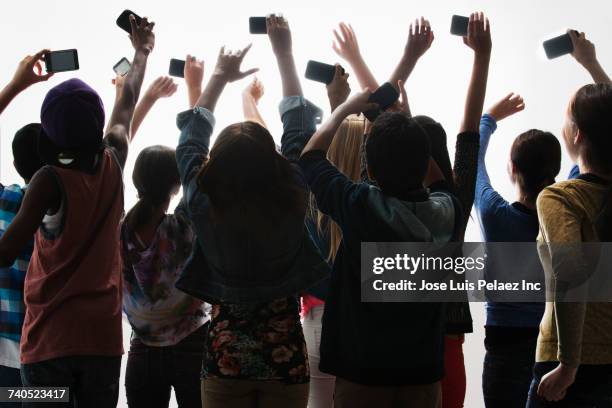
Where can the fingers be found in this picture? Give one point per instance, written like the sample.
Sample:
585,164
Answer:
133,24
243,52
247,73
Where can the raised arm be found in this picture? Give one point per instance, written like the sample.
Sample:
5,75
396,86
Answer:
250,100
118,135
29,72
162,87
282,46
347,48
479,40
420,38
338,90
584,53
194,75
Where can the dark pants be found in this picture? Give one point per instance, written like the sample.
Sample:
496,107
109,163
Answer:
10,377
93,380
153,371
508,365
591,389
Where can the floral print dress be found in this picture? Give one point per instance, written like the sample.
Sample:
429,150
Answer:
262,342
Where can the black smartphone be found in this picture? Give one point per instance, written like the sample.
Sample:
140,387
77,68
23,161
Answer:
385,96
459,25
257,25
177,68
60,61
122,67
321,72
123,21
558,46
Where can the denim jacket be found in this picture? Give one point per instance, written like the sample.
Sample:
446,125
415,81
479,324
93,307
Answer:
239,265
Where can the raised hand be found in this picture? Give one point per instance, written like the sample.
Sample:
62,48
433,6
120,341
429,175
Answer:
194,72
142,35
254,90
338,89
29,71
345,44
479,34
228,64
162,87
420,38
507,106
584,50
279,34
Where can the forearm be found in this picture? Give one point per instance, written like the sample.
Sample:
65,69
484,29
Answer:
126,102
212,92
364,75
251,110
142,109
570,323
288,73
323,137
476,94
597,72
403,70
8,93
193,94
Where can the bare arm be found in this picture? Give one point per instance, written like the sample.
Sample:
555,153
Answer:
162,87
250,100
280,38
420,38
338,90
194,75
118,135
347,47
479,39
584,53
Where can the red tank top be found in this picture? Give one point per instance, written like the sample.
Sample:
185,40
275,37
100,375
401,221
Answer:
73,284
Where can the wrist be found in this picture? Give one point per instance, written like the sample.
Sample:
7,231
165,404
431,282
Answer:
13,88
482,56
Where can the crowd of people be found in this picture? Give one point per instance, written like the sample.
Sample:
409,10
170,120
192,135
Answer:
248,293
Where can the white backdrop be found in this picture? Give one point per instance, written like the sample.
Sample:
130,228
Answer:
436,88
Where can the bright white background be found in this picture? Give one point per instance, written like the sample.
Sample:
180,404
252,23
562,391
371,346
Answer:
437,87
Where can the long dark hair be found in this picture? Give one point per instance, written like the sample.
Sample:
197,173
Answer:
536,156
246,178
156,178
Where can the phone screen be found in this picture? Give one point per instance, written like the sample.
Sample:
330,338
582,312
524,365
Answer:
59,61
320,72
123,21
177,68
122,67
558,46
257,25
459,25
385,96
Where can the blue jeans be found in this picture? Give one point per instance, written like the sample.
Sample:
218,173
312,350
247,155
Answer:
93,380
152,372
591,389
508,365
10,377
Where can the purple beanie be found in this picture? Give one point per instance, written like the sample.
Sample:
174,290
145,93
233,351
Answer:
72,116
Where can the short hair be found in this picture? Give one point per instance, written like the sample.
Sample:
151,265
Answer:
25,151
397,153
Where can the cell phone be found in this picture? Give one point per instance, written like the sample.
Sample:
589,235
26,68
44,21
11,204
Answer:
558,46
122,67
321,72
257,25
177,68
60,61
123,21
459,25
385,96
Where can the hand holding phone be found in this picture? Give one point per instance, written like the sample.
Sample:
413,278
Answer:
459,25
257,25
122,67
558,46
177,68
385,96
61,61
321,72
123,21
29,71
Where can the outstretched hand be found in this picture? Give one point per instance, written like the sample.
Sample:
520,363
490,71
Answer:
479,34
29,71
255,90
279,34
507,106
420,38
338,89
228,64
193,72
143,38
162,87
345,44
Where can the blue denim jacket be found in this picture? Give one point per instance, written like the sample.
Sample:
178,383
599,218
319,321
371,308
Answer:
242,265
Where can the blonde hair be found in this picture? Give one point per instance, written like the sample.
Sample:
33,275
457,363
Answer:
344,153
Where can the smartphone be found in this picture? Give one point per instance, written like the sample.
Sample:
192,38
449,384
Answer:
459,25
177,68
60,61
385,96
558,46
321,72
257,25
122,67
123,21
